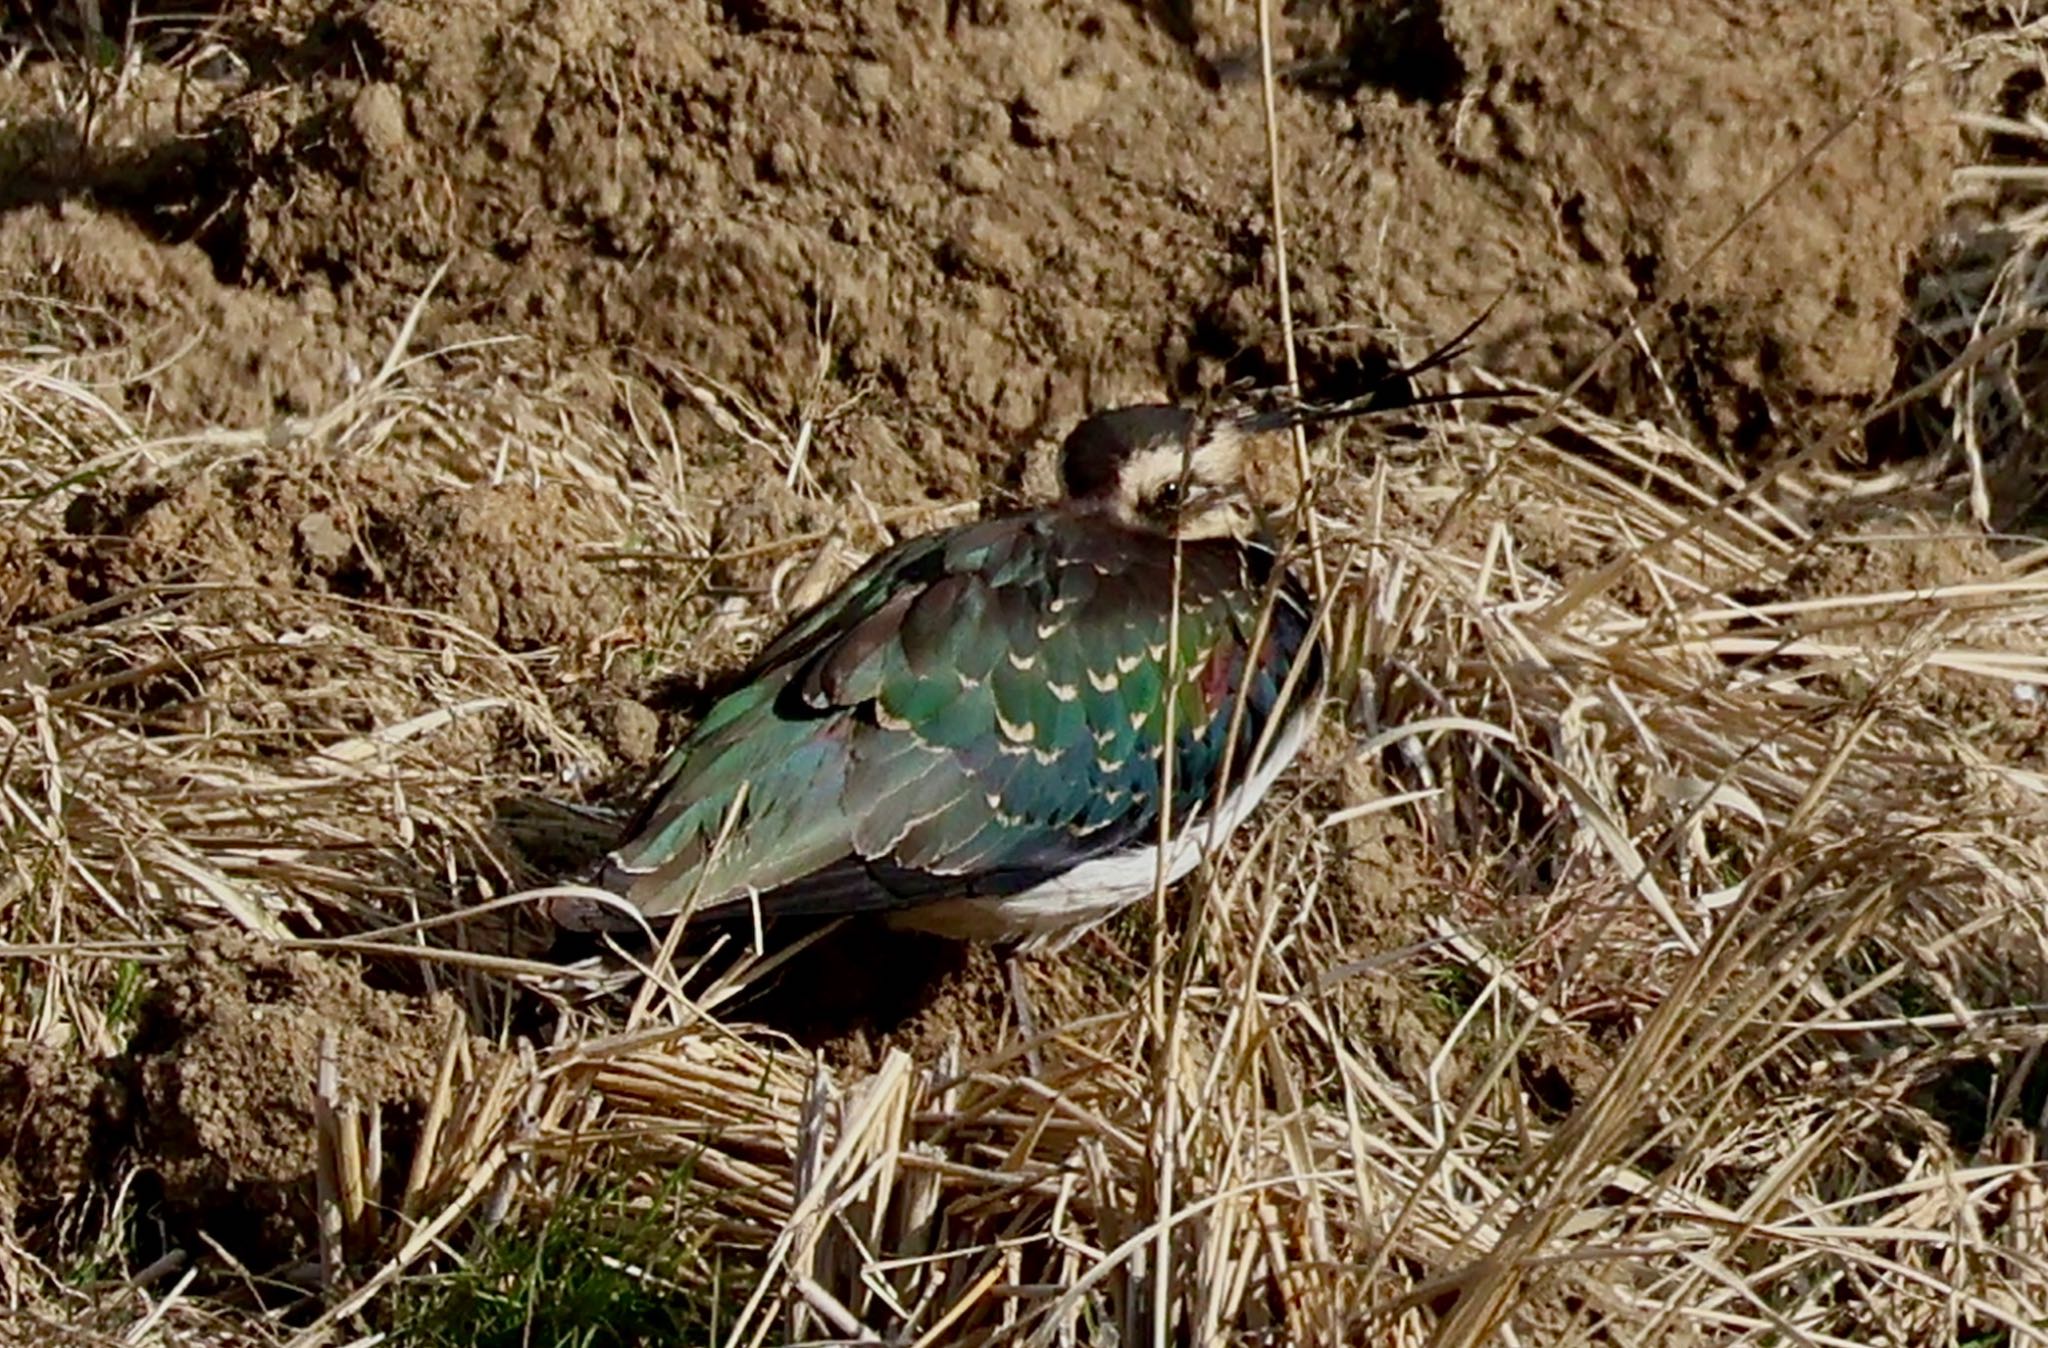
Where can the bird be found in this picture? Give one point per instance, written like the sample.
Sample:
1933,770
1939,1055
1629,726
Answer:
1009,731
970,737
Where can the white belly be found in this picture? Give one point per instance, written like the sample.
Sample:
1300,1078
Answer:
1050,915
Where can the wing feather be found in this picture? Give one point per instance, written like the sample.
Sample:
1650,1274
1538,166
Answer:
976,710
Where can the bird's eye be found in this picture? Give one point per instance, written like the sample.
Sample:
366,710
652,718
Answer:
1168,497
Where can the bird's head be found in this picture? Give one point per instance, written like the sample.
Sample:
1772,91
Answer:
1183,474
1162,469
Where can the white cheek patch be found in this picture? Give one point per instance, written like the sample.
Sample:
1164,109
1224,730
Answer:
1146,474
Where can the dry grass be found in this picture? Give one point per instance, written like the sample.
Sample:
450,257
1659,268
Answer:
1726,789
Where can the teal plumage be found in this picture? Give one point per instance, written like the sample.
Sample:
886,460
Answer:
969,734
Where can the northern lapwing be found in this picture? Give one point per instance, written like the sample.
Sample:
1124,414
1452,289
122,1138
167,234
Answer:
971,735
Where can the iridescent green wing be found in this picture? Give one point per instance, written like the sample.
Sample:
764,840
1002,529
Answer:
1035,701
761,771
974,712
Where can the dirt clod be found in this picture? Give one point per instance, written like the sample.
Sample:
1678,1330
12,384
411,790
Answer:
491,557
68,1116
633,731
225,1063
499,559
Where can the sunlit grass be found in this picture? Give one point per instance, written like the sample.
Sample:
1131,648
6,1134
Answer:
601,1269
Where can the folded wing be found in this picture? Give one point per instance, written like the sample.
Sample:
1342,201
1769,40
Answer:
975,712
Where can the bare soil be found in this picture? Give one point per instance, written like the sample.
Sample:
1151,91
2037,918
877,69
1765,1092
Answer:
213,1102
955,227
934,233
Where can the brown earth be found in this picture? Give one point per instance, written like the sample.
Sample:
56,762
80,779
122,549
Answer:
213,1103
934,233
942,231
226,1059
491,557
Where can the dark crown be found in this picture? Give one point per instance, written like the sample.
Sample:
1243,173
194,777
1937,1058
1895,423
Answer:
1096,450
